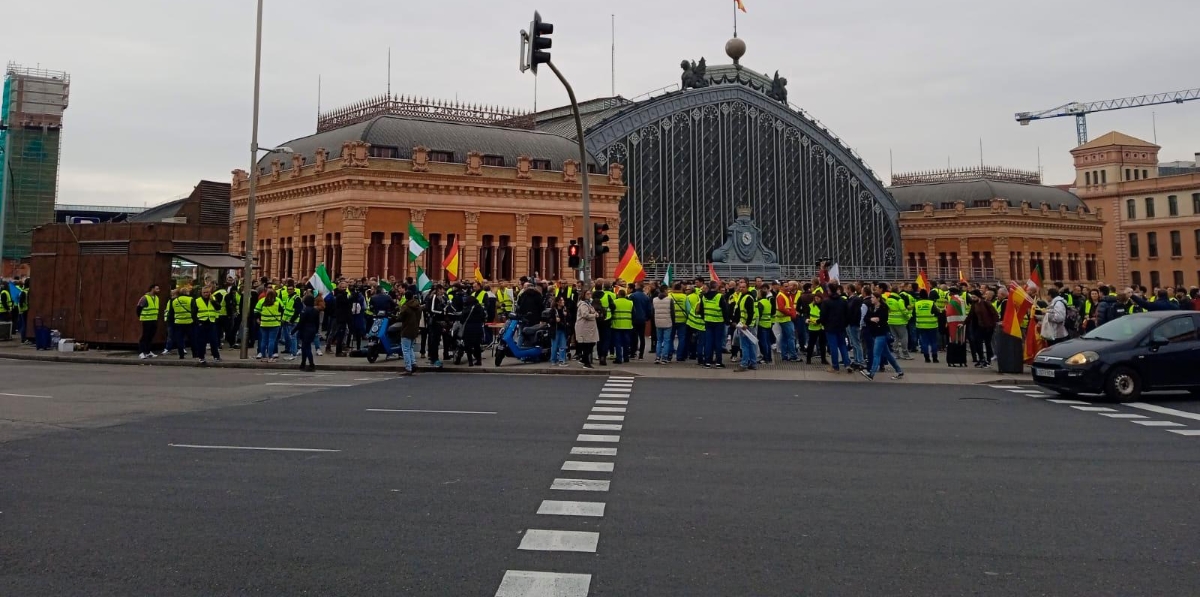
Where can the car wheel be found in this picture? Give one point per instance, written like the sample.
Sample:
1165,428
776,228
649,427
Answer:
1123,385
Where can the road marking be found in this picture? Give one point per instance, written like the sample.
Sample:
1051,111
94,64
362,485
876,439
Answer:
579,485
373,378
312,385
1187,432
557,508
1158,423
601,427
619,384
1005,387
250,448
588,451
590,467
1123,415
23,395
608,390
613,395
606,417
629,377
523,583
543,540
444,412
1058,401
598,438
1095,409
608,409
1026,391
615,402
1162,410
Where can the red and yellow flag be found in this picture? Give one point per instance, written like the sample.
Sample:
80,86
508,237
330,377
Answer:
478,274
1034,341
740,6
630,267
923,281
712,273
451,262
1019,304
962,280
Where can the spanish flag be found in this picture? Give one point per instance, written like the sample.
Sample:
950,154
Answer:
630,267
1034,342
478,274
923,281
741,7
1014,313
451,262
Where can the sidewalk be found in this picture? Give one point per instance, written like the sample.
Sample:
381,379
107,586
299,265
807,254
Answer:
915,371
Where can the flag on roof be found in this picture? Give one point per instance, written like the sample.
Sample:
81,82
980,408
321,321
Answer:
630,268
320,281
740,6
416,242
452,262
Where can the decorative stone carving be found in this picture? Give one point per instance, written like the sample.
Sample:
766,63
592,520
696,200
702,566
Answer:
1025,208
570,171
522,219
524,167
614,221
474,163
960,208
276,170
297,165
416,215
616,173
927,210
275,226
1000,240
295,221
568,221
239,176
999,206
1062,210
420,160
320,219
1080,211
1045,209
354,212
744,245
472,217
321,156
356,154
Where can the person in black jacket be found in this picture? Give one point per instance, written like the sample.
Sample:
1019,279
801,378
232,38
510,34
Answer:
342,317
473,317
876,328
307,328
835,316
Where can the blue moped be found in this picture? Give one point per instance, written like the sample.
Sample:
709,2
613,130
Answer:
530,344
383,339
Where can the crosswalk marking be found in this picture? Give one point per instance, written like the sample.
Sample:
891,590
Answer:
584,437
525,583
579,485
587,467
589,451
1056,401
608,409
561,508
614,395
546,540
601,427
1095,409
1005,387
1158,423
606,417
1162,410
1122,415
1187,432
613,402
629,377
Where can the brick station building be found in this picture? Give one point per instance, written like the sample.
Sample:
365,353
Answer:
345,197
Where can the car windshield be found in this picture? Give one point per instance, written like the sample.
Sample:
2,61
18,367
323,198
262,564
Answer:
1121,329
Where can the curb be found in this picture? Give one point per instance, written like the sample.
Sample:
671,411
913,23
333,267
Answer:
250,364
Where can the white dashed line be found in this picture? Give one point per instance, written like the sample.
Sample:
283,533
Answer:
559,508
544,540
1095,409
1187,432
250,448
1005,387
579,485
26,395
587,451
440,412
1058,401
612,439
312,385
1123,415
587,467
601,427
1026,391
1158,423
606,417
524,583
1162,410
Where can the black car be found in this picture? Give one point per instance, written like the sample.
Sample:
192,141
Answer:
1121,359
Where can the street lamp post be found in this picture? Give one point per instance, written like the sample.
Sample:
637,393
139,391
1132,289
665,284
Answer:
248,272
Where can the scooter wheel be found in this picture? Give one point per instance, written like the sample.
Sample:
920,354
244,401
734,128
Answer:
458,355
373,354
499,357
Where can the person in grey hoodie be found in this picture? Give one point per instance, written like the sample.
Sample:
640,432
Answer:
661,311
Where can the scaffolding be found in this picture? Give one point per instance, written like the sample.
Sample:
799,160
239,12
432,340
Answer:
32,110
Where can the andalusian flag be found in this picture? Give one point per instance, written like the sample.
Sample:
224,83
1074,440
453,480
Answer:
423,281
630,267
451,262
478,274
740,6
923,280
669,275
320,281
1035,278
416,242
386,286
1019,304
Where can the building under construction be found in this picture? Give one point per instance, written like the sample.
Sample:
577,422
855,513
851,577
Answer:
32,111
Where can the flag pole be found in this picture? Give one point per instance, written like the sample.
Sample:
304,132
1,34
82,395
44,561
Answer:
735,9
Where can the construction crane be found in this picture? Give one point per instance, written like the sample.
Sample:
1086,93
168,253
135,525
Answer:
1081,110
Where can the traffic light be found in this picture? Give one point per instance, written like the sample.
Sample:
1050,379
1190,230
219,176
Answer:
600,238
539,42
573,255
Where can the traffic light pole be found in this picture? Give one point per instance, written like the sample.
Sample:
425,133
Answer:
586,249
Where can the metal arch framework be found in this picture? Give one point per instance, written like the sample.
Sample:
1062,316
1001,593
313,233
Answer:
691,158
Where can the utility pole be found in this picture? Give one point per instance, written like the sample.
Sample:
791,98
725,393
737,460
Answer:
248,272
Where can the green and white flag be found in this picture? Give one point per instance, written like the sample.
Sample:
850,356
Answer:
416,242
385,285
669,276
320,281
423,281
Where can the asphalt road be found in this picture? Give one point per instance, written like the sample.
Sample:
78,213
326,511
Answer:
718,488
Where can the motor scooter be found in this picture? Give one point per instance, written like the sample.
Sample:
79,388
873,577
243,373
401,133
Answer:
530,344
383,339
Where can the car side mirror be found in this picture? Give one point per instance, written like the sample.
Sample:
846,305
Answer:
1157,343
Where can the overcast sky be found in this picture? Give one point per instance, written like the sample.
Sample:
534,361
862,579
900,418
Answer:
161,89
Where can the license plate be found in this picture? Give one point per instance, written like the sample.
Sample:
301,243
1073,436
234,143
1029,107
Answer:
1043,373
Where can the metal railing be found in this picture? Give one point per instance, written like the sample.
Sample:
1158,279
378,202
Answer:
803,273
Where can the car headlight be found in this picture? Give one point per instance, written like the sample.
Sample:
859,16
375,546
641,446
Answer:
1083,358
